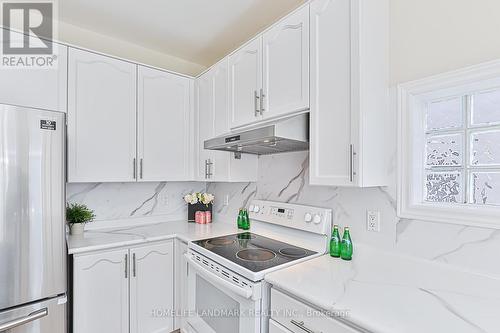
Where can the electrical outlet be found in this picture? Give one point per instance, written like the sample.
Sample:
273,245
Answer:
226,200
373,221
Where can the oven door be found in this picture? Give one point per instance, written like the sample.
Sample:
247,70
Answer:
219,306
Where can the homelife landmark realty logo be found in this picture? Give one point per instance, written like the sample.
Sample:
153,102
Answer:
28,29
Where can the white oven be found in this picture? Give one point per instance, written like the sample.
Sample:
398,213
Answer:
220,301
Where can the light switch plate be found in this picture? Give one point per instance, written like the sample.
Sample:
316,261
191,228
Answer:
373,221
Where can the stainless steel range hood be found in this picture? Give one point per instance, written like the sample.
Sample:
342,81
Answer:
286,135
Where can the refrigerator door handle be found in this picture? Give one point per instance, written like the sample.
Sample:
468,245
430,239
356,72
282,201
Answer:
24,320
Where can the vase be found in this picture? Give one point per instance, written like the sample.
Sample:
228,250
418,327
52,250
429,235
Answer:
77,228
192,209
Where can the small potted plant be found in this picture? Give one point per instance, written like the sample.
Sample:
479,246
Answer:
198,201
77,215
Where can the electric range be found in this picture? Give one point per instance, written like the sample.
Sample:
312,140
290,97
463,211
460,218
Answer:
254,252
226,274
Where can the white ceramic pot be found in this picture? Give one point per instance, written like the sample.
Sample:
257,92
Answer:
77,228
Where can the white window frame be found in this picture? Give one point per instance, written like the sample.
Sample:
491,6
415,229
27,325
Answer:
412,100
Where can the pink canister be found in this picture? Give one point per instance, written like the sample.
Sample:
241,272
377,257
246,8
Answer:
208,216
200,217
197,217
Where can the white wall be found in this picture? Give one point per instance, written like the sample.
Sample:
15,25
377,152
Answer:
434,36
91,40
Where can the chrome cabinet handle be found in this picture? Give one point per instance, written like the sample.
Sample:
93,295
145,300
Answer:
134,166
262,96
352,153
206,169
133,265
209,164
126,266
140,168
256,103
302,326
24,320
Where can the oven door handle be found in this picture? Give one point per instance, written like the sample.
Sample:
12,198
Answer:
245,293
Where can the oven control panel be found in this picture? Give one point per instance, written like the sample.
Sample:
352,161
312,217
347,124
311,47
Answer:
308,218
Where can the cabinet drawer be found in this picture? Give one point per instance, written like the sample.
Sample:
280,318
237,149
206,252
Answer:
274,327
305,319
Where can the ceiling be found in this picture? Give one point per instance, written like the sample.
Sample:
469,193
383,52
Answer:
200,31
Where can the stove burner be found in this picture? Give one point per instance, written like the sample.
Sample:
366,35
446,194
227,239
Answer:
245,236
256,255
293,252
220,241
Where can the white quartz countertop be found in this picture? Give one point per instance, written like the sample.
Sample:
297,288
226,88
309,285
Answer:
389,293
100,239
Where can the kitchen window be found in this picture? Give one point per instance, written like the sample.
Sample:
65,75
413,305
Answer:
449,147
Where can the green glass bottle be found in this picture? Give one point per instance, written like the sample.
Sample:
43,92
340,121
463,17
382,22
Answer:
246,220
335,242
346,245
241,217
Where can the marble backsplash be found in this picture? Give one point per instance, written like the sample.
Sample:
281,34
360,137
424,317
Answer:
119,203
284,178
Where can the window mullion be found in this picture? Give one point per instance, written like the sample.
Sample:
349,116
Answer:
467,146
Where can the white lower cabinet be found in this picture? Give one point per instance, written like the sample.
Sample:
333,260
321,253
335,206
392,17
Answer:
152,288
100,292
125,290
305,318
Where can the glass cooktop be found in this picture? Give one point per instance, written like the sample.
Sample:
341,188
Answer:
252,251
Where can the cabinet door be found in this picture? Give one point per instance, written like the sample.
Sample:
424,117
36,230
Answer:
286,65
204,94
331,155
164,125
43,88
101,118
181,277
152,288
100,292
245,82
212,120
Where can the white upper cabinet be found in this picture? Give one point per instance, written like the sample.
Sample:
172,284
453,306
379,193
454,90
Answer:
212,95
101,118
245,83
164,126
349,93
101,292
151,287
43,88
286,65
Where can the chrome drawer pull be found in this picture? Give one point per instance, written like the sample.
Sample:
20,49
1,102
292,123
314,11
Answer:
24,320
302,326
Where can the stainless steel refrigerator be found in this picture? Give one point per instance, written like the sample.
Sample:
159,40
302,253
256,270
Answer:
32,226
